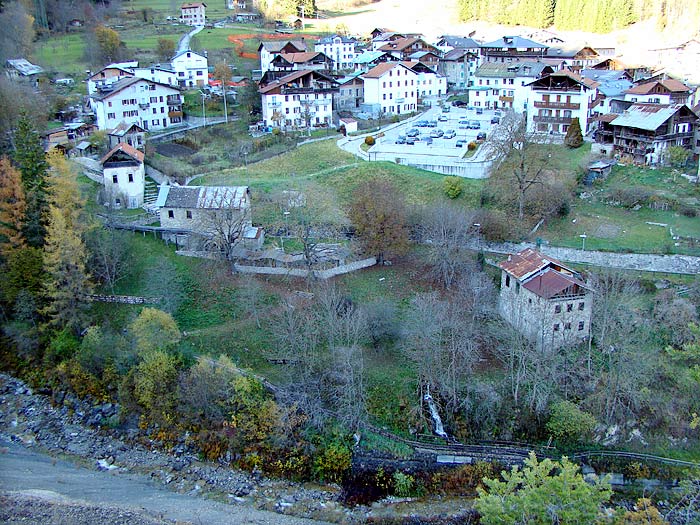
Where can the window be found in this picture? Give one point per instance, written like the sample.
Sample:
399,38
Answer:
507,280
580,326
569,307
115,179
171,214
131,177
581,306
567,326
557,308
556,327
188,214
111,115
517,287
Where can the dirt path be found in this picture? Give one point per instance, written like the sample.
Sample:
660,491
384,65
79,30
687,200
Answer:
238,42
62,483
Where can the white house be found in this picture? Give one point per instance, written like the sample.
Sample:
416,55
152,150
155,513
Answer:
545,300
299,99
108,75
391,87
505,84
193,14
430,83
151,105
191,69
270,49
667,91
124,176
163,74
556,99
340,49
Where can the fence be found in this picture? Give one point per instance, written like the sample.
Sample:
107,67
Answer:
299,272
123,299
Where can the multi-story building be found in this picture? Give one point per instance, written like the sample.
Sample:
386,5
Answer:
124,176
644,132
556,99
368,59
299,99
505,84
288,62
341,49
403,48
161,73
193,14
511,49
108,75
667,91
458,67
545,300
430,83
612,86
447,43
191,69
270,49
351,92
391,87
151,105
574,58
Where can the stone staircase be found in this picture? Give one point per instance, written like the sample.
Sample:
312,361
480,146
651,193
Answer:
150,195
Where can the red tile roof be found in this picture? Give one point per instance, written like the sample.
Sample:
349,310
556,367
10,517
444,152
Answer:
527,262
549,283
672,85
129,150
380,69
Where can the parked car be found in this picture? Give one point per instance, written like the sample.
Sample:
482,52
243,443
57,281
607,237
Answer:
413,132
422,124
442,118
495,120
464,124
449,134
401,139
481,136
410,141
459,104
479,111
437,133
475,124
427,139
445,109
432,123
460,143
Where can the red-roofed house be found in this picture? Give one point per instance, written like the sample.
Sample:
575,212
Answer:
556,99
545,300
391,87
124,176
668,91
193,14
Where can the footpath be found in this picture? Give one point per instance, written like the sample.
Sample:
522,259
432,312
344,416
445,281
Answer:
646,262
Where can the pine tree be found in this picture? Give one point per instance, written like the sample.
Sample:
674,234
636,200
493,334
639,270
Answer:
574,137
12,207
31,161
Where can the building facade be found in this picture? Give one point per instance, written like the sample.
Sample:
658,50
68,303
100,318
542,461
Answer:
124,176
191,69
341,49
505,84
512,49
391,88
193,14
543,299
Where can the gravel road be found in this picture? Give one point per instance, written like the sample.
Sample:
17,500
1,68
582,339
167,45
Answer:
41,489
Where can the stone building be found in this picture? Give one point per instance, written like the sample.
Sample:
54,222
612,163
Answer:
208,218
545,300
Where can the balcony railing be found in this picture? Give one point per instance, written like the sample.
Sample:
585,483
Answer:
651,136
505,99
174,99
554,120
555,105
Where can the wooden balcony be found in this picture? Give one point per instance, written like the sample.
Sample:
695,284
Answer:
555,105
174,114
552,119
505,99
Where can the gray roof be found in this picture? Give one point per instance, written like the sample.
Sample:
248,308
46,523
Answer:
646,116
24,67
203,197
459,42
368,56
512,42
125,83
330,39
456,54
510,69
612,83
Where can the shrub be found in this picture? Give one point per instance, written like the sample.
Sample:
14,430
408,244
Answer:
155,383
153,330
471,146
403,484
63,345
569,424
574,137
494,226
369,140
687,211
629,197
453,186
332,463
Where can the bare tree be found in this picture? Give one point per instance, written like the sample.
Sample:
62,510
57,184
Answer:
110,256
226,228
519,156
446,229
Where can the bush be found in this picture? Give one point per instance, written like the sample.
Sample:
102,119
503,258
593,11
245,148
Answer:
453,186
689,212
63,346
155,383
369,140
629,197
495,226
568,424
471,146
332,463
403,484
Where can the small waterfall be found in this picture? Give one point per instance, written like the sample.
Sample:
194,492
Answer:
439,429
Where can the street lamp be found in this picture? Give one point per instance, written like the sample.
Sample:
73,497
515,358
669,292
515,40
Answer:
583,241
204,110
286,215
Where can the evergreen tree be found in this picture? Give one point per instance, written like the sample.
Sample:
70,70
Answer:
574,137
31,161
12,207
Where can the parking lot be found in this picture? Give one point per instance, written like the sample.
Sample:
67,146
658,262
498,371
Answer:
467,125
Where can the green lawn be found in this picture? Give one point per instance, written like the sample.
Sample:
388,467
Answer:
62,54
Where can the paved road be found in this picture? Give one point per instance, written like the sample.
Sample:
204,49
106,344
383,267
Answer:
31,472
184,43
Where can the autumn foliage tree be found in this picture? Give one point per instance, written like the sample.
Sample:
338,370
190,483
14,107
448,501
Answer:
12,207
574,137
379,214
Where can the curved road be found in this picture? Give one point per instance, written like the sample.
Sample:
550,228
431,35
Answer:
32,473
184,43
